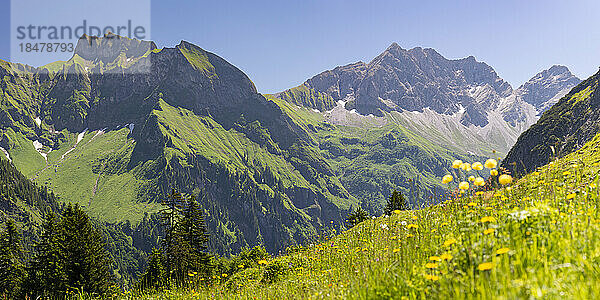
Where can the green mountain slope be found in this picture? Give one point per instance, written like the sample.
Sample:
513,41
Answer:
100,131
562,129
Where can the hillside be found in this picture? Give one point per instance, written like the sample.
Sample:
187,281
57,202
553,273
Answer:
523,241
562,129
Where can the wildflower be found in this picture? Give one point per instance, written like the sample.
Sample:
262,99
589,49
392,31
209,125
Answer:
191,274
447,178
505,179
566,173
397,211
415,226
488,231
477,166
223,275
396,250
444,224
488,219
415,217
485,266
456,164
466,167
502,251
479,182
435,258
262,262
410,235
241,266
431,265
494,172
446,256
479,193
432,277
491,163
472,204
471,178
449,242
571,196
463,185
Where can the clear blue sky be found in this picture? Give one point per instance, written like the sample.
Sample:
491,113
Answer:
281,43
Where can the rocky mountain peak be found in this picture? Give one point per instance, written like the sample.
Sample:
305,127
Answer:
110,46
547,87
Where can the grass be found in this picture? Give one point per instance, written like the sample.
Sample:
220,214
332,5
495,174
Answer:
534,239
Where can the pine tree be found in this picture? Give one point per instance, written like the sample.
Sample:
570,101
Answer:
154,276
195,234
356,217
12,271
396,202
85,258
47,275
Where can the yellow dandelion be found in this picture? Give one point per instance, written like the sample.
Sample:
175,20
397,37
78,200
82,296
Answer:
488,219
494,172
410,235
241,266
477,166
502,251
505,179
485,266
444,224
447,178
480,193
432,277
397,211
396,250
446,256
435,258
431,265
463,185
479,182
472,204
566,173
571,196
410,226
488,231
491,163
449,242
456,164
262,262
224,275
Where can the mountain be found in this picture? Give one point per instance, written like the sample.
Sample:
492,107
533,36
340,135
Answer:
121,123
461,99
562,129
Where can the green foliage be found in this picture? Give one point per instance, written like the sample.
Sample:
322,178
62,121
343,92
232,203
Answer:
396,202
356,217
12,271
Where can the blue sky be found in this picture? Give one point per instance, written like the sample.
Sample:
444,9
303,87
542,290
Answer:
279,44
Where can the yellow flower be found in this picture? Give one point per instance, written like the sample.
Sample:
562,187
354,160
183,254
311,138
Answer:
472,204
505,179
431,265
224,275
466,167
444,224
571,196
477,166
449,242
502,251
435,258
494,172
479,182
397,211
488,231
241,266
463,185
491,163
485,266
432,277
191,274
456,164
479,193
262,262
447,178
412,226
446,256
415,217
566,173
471,178
488,219
396,250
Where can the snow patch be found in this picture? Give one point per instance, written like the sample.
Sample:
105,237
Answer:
131,126
38,121
81,135
38,147
5,153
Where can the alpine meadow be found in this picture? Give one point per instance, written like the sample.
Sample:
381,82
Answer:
152,169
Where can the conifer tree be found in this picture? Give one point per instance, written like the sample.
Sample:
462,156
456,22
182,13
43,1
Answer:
47,275
85,259
154,276
195,234
356,217
396,202
12,271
